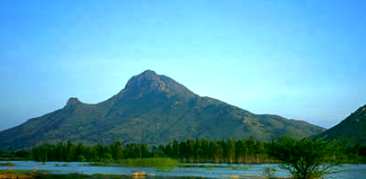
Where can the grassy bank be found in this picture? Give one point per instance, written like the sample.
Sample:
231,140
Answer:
18,174
25,174
159,163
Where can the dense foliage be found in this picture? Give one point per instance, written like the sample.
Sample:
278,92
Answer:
307,158
229,151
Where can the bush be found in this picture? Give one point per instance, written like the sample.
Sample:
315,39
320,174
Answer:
306,158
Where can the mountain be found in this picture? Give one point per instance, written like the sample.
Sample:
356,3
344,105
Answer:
352,129
151,109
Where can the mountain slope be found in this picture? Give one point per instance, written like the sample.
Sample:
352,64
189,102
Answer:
352,129
151,109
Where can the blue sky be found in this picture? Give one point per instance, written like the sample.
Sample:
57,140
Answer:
300,59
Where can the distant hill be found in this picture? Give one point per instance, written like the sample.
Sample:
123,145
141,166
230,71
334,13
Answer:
352,129
151,109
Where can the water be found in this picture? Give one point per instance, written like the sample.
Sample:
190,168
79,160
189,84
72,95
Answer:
204,170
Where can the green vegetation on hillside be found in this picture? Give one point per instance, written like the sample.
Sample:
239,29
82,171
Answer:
151,109
351,131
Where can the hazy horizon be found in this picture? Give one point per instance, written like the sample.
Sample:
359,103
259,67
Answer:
301,60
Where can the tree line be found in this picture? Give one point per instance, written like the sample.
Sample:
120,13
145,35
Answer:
191,151
199,150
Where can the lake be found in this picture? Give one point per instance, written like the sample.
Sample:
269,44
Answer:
196,170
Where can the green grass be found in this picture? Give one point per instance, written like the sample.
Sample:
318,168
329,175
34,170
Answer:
46,175
7,164
17,171
240,167
14,171
159,163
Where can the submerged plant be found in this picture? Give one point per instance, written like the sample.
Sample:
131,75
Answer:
269,172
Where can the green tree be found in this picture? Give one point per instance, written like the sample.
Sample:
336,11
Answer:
117,150
306,158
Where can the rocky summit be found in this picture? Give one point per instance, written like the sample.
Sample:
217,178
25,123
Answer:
151,109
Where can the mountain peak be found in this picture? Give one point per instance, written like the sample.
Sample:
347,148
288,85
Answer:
148,73
148,78
149,82
73,101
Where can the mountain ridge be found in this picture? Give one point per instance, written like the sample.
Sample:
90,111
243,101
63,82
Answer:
151,109
351,130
